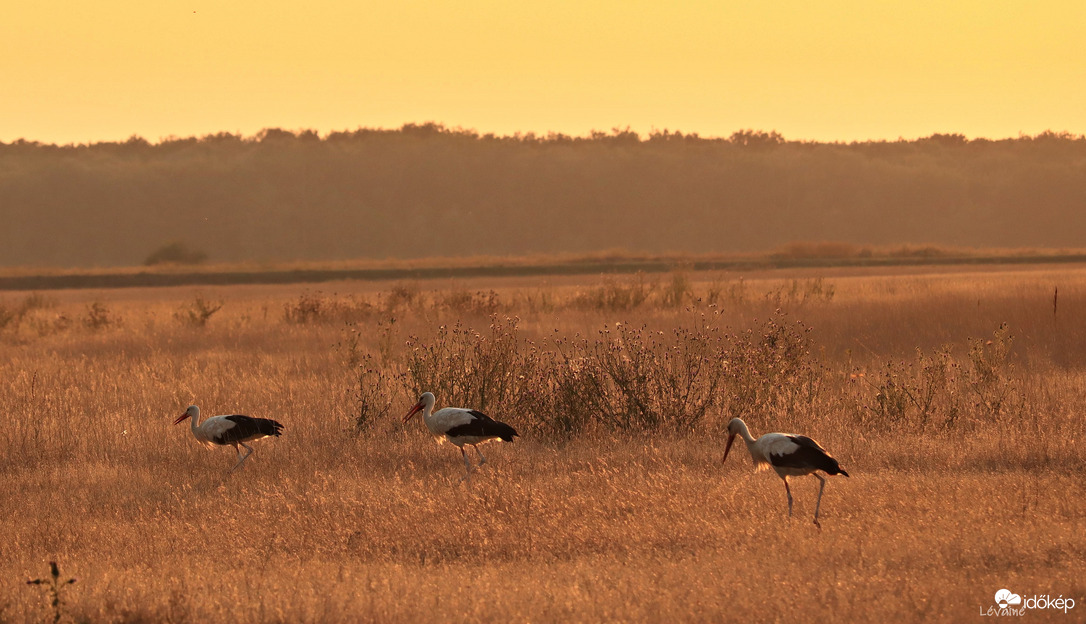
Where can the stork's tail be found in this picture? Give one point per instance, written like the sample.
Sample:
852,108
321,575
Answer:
269,427
504,431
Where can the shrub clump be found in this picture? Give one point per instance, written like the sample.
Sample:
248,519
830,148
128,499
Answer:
624,378
197,312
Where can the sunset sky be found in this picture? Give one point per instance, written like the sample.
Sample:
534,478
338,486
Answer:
828,70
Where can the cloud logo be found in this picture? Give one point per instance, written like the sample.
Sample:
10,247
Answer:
1004,597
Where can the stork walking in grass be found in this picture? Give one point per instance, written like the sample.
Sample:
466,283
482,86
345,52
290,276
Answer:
790,455
461,426
230,431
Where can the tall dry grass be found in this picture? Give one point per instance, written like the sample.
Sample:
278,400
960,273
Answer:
351,516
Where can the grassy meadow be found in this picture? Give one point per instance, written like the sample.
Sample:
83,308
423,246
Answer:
954,397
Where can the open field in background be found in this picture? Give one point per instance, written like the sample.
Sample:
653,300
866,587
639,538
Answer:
792,256
953,396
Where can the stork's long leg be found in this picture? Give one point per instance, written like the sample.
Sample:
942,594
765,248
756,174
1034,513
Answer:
241,461
467,465
482,458
237,451
820,488
789,493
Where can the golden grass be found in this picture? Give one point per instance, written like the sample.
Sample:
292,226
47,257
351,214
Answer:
327,525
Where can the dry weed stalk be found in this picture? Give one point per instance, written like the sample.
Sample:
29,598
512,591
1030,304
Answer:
54,585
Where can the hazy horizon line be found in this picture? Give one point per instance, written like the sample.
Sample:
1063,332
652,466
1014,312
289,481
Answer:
642,135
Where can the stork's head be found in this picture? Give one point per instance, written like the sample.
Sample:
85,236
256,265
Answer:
426,401
191,412
734,427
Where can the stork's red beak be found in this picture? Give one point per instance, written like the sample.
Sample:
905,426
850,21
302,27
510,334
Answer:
728,447
414,410
181,418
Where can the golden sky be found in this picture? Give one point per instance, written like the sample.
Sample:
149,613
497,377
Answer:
81,71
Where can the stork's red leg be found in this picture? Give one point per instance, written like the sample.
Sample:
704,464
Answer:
467,464
241,461
819,503
482,458
789,493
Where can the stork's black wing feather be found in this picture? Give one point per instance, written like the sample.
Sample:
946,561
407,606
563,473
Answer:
246,427
483,426
808,455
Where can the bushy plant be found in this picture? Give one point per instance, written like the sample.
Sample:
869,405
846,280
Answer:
373,392
10,315
97,316
466,367
637,378
769,370
623,378
318,308
468,303
614,295
916,395
988,378
198,312
932,392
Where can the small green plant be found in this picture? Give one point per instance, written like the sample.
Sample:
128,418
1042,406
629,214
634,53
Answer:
197,312
54,584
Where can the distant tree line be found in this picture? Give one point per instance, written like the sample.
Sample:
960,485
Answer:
429,190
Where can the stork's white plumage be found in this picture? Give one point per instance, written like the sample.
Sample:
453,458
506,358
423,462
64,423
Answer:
789,454
230,430
461,426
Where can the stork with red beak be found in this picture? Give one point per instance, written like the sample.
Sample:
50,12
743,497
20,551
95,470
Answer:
461,426
789,454
230,431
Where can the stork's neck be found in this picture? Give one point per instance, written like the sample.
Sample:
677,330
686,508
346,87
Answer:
428,418
743,431
195,422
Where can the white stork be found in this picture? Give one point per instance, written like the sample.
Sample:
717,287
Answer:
230,430
790,455
461,426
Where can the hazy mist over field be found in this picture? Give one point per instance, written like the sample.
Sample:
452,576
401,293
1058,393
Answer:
427,190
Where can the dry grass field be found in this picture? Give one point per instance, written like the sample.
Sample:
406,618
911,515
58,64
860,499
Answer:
954,397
